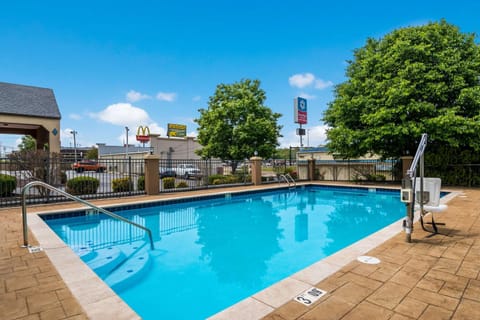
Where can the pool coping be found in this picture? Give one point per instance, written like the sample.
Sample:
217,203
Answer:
99,301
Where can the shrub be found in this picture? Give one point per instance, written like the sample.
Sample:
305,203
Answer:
182,184
141,183
122,185
7,184
168,183
63,177
83,185
217,179
214,177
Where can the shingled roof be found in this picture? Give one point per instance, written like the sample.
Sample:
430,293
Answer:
30,101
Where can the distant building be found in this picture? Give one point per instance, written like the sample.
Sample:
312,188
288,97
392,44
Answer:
28,110
166,148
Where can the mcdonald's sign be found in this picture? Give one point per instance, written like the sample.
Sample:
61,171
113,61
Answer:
143,134
176,130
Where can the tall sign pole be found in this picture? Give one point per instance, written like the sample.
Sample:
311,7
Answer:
300,115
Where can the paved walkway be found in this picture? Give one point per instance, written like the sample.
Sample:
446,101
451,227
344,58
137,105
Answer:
430,278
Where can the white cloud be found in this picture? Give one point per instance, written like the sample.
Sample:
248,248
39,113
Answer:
166,96
75,116
301,80
314,136
122,114
192,134
322,84
134,96
196,98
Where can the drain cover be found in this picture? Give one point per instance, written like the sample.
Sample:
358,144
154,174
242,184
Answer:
368,260
34,249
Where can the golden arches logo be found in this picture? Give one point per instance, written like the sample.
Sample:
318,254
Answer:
143,134
143,131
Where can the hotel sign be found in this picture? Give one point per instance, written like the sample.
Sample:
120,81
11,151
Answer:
300,110
176,130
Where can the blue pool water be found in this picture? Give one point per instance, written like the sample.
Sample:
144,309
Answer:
210,254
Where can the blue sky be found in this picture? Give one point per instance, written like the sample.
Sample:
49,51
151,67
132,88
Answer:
113,64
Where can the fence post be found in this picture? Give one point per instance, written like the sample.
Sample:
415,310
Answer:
256,170
311,169
152,176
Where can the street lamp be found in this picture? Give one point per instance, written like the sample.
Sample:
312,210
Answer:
74,143
126,146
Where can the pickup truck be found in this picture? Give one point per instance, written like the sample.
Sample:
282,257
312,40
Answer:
88,165
187,171
182,170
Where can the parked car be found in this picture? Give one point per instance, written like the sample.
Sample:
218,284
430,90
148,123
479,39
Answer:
88,165
167,172
188,171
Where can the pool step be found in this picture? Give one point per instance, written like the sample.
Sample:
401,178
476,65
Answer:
131,271
106,260
85,253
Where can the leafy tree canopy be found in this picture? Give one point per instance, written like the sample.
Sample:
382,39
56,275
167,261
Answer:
28,143
92,154
236,123
415,80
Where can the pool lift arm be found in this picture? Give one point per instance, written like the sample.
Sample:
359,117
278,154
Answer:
407,193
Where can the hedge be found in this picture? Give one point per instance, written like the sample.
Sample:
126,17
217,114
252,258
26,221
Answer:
168,183
7,184
141,183
122,185
83,185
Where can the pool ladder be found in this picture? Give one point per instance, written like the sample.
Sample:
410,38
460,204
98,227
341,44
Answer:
72,197
288,179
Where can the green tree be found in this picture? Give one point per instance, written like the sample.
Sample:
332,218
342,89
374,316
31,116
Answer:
92,154
415,80
28,143
236,123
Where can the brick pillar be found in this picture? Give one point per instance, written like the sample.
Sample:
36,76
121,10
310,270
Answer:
311,169
152,176
256,170
406,163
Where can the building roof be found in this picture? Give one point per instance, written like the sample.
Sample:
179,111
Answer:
103,149
313,150
29,101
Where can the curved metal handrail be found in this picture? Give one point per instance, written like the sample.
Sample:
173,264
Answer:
72,197
286,177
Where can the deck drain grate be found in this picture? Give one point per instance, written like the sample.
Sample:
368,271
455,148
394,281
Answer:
310,296
368,260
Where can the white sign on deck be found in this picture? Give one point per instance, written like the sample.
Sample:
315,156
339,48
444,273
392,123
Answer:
310,296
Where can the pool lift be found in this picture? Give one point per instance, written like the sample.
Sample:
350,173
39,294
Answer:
71,197
420,193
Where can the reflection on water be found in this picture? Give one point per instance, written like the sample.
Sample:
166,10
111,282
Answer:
241,238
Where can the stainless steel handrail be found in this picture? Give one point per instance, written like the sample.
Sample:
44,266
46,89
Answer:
72,197
287,176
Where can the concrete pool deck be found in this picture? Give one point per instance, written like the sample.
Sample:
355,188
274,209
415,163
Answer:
430,278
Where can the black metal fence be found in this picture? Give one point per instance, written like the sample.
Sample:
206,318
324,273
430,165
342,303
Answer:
374,170
115,177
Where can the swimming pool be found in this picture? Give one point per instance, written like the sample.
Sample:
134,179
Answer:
214,252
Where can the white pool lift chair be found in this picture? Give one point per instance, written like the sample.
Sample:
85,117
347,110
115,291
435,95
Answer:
431,201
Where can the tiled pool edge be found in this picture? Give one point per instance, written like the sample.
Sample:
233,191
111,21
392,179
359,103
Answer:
100,302
95,297
267,300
